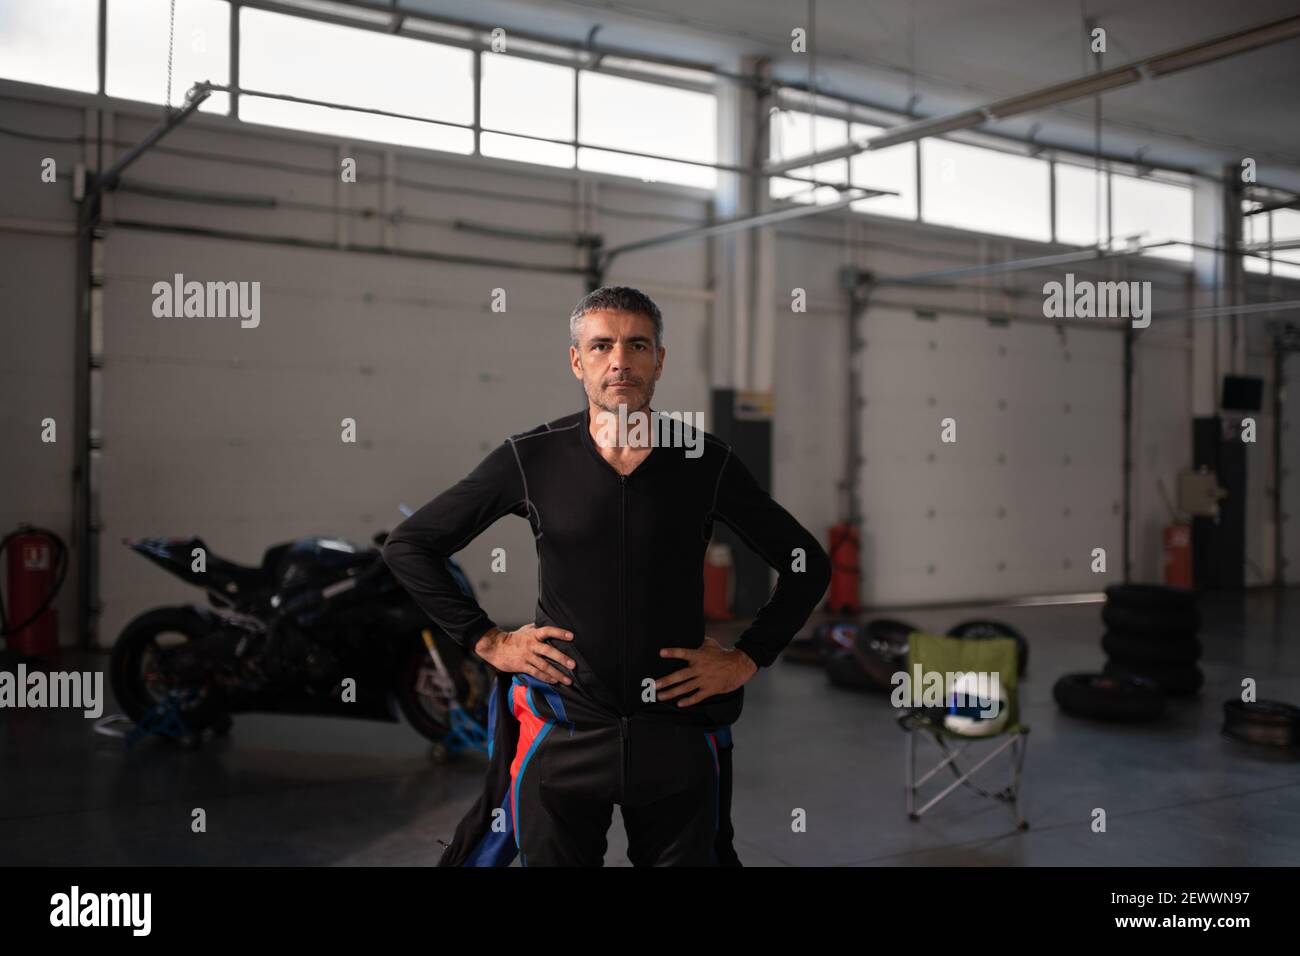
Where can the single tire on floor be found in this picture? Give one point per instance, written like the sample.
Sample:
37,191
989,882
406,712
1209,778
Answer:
1111,698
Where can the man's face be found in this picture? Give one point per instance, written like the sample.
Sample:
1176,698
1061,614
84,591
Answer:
616,359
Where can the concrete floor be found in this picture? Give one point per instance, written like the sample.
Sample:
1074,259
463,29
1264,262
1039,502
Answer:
314,791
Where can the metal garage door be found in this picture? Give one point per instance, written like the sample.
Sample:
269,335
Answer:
1033,482
234,433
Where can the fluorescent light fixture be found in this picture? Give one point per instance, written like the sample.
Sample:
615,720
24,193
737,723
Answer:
1195,55
927,127
851,148
1201,53
744,223
1063,92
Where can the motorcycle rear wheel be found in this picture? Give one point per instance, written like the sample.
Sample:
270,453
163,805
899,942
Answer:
137,671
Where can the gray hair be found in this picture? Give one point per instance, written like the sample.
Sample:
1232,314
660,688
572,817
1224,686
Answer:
617,298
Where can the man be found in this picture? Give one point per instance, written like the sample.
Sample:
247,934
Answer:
614,694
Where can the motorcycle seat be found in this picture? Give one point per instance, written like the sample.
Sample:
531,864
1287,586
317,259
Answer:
244,578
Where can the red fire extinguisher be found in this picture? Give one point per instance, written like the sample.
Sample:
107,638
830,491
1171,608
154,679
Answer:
1178,555
36,566
845,570
719,584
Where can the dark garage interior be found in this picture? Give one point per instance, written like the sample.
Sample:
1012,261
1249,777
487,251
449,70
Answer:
998,302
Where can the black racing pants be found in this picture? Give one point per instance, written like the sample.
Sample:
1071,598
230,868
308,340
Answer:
566,778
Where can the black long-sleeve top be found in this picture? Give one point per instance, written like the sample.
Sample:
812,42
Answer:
620,558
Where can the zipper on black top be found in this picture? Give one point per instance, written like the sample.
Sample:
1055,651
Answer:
622,589
622,600
627,750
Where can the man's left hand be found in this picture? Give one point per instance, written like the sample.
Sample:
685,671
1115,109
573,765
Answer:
711,669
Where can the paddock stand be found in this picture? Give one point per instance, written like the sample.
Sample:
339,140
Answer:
163,719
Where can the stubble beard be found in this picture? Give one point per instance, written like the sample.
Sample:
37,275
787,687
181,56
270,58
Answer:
608,400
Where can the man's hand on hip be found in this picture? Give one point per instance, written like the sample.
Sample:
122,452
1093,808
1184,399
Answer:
711,669
525,651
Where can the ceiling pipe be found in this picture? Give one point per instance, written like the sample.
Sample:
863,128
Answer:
1197,54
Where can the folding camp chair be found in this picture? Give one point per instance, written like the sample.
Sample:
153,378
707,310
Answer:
956,655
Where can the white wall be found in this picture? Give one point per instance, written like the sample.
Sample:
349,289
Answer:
37,312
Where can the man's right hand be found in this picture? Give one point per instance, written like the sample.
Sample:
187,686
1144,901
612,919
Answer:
525,651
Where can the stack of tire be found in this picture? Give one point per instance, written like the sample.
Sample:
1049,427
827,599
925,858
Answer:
1151,634
1118,698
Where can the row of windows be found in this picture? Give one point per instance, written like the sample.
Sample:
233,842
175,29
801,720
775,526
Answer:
985,190
54,42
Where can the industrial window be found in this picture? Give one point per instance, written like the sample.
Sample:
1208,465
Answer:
631,114
54,43
337,64
138,37
1151,211
1254,230
984,190
1286,225
1082,205
1286,228
891,168
1277,226
794,133
530,97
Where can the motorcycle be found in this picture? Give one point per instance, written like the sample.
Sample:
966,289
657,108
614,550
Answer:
319,627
